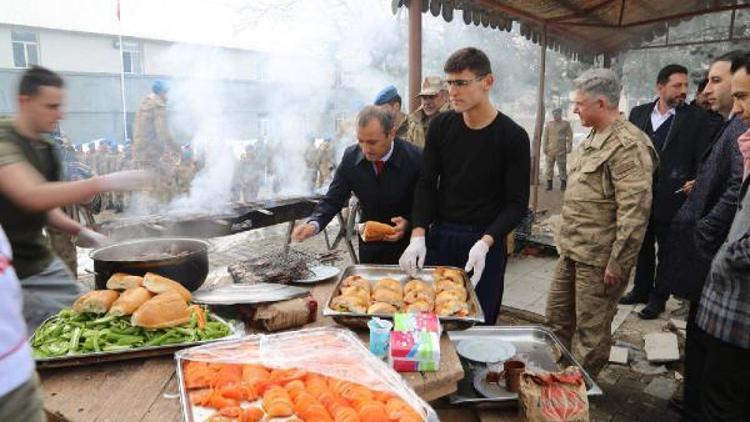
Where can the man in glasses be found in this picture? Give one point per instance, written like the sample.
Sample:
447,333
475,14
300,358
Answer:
474,186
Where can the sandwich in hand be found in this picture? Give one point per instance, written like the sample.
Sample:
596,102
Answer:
158,284
129,301
374,231
95,302
122,281
161,311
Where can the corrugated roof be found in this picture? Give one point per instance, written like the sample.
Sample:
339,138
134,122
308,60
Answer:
580,29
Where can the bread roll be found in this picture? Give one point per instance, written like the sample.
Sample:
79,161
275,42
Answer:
356,291
459,293
122,281
129,301
382,308
375,231
158,284
425,294
418,306
415,284
161,311
446,284
95,302
452,308
356,281
388,296
389,283
349,304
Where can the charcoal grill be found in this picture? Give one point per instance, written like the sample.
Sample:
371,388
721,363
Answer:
243,216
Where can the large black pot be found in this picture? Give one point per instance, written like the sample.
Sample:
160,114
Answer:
181,259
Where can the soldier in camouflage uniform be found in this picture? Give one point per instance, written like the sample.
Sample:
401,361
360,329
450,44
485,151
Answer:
389,98
153,146
557,143
434,96
604,217
326,162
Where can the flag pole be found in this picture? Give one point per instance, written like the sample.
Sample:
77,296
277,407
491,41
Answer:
122,78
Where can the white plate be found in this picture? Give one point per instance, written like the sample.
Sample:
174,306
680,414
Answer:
320,273
487,350
487,389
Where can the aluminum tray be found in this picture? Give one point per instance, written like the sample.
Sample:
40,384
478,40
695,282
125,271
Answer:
118,355
536,345
376,272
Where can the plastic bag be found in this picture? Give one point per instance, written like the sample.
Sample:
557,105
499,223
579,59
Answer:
553,396
295,374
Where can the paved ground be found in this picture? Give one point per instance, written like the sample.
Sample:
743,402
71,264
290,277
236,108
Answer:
630,394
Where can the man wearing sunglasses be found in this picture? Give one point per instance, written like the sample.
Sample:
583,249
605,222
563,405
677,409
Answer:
474,186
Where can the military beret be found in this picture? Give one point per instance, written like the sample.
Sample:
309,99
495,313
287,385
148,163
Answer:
386,95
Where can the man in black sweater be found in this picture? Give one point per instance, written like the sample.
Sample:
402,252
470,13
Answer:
474,186
680,133
382,172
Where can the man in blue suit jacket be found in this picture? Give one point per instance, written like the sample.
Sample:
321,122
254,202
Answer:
382,171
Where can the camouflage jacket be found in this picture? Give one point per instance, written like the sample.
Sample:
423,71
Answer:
151,134
402,124
608,201
557,139
418,123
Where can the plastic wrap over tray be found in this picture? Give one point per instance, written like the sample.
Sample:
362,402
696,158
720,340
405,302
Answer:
329,351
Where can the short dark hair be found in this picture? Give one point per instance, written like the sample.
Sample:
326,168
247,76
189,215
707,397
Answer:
742,62
469,58
669,70
702,85
730,56
386,118
37,77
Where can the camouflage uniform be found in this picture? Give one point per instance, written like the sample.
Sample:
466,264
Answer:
326,163
417,124
153,146
556,144
402,124
604,217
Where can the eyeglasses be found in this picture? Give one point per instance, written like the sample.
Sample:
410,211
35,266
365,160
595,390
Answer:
459,83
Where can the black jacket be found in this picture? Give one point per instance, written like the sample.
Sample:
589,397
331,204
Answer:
702,223
391,195
690,134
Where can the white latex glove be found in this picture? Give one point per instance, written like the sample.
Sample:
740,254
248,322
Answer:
127,180
413,257
477,254
88,238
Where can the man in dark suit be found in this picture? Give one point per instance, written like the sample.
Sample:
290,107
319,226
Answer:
382,171
701,225
680,133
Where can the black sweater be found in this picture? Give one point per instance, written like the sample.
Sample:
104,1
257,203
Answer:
478,178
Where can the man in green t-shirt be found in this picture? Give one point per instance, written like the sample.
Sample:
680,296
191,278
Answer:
31,195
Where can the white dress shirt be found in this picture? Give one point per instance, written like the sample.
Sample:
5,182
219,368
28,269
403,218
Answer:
657,119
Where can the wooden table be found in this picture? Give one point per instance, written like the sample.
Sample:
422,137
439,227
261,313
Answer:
146,389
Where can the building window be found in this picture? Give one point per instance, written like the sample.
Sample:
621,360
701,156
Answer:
131,57
25,48
263,124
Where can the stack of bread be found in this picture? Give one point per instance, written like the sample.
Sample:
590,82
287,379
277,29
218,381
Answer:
152,301
446,297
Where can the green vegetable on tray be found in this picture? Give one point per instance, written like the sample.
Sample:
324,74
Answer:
72,333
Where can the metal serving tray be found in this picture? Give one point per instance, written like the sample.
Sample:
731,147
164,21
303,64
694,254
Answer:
535,345
135,353
376,272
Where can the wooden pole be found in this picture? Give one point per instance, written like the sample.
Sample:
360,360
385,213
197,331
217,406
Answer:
415,53
537,145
